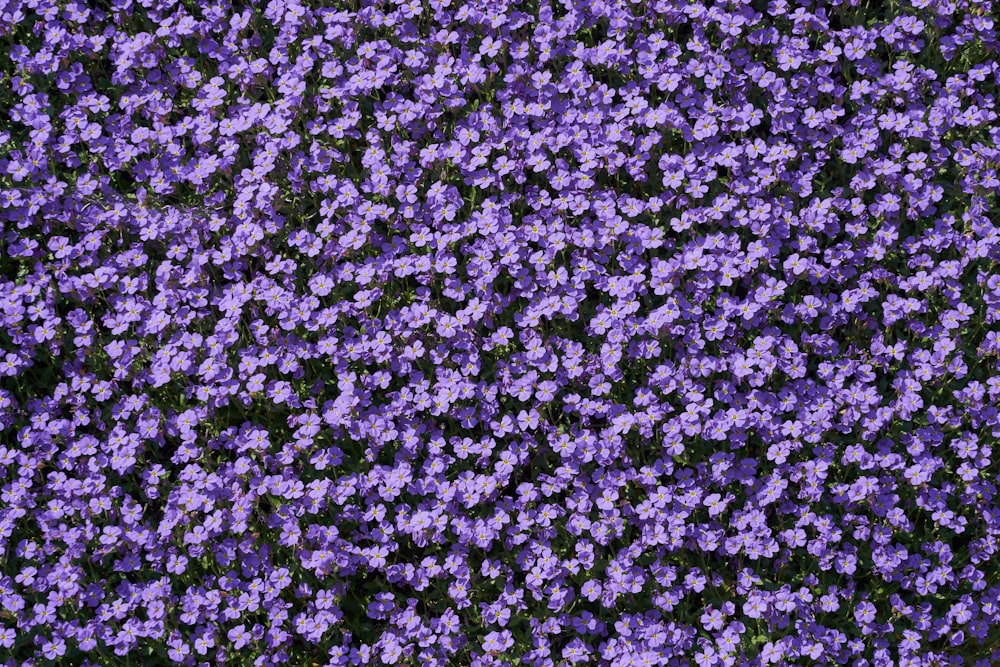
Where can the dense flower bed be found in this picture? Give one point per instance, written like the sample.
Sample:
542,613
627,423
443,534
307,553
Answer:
499,332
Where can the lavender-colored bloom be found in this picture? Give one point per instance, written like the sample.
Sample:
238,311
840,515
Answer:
364,334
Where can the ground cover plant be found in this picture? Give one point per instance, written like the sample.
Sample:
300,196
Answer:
499,333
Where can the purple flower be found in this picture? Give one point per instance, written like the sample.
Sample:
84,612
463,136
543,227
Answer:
249,344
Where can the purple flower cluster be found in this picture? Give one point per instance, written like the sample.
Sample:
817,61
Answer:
519,332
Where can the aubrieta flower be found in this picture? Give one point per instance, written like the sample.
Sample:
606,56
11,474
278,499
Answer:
365,334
